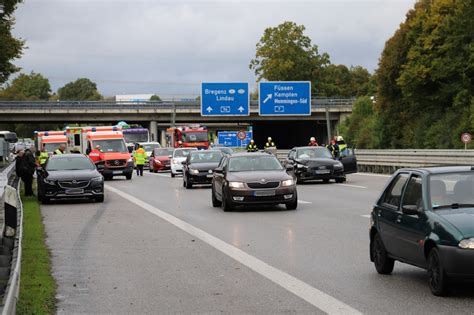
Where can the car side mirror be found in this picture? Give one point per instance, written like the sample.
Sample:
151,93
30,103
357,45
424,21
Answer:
289,167
219,170
410,210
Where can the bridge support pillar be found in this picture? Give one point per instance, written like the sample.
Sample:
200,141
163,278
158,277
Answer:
162,140
153,130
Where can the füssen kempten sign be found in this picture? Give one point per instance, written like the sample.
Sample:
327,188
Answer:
225,99
285,98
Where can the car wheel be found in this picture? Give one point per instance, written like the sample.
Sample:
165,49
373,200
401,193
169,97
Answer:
292,205
215,203
339,180
326,180
226,204
437,277
45,200
99,198
129,176
188,185
172,174
383,263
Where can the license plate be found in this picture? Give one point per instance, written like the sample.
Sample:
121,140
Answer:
323,172
75,191
264,193
117,172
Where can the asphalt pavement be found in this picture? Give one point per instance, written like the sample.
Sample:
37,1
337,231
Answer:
155,247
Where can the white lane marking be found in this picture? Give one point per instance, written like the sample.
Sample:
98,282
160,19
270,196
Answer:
365,215
371,174
162,175
317,298
353,186
304,202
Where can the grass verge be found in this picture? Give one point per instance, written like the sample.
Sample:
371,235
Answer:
37,285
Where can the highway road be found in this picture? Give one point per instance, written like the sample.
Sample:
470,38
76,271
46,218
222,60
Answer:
155,247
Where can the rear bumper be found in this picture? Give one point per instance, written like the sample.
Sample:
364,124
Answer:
457,262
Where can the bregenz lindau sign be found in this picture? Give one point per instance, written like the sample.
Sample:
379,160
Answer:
225,99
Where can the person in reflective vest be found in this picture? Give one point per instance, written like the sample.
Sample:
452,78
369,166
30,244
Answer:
270,143
61,149
334,148
94,155
42,156
341,143
252,147
313,142
139,157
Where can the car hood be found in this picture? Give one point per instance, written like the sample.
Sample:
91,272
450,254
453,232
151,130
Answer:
161,158
255,176
317,161
73,174
462,219
204,166
114,156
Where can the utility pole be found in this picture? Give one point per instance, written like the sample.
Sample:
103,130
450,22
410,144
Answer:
328,124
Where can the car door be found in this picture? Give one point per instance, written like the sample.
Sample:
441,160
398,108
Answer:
218,178
349,160
411,227
387,212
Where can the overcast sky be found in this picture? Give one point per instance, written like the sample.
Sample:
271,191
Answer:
169,47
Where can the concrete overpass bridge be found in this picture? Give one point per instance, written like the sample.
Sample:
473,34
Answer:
157,116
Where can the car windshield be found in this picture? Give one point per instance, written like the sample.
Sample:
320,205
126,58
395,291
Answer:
163,152
182,152
110,145
50,147
69,163
205,157
254,163
452,190
150,146
311,153
195,136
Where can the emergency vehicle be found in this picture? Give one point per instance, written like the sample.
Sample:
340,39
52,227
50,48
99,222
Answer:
112,158
50,140
190,137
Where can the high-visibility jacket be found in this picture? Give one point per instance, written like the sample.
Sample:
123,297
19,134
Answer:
139,156
57,151
252,147
270,144
43,157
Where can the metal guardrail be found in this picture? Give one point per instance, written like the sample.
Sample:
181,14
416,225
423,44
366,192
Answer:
315,103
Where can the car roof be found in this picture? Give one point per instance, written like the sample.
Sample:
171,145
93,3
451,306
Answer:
440,169
309,147
68,155
237,154
207,151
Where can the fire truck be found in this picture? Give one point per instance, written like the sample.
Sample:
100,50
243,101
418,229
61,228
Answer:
105,146
190,137
50,140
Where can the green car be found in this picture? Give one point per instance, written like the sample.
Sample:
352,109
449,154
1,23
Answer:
425,218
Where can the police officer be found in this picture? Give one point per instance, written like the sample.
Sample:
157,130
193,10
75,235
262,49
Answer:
139,157
313,142
270,143
341,143
252,147
334,148
61,149
42,156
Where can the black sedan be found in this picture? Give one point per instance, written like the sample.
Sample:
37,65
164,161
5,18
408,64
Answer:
199,166
313,163
70,176
252,179
425,217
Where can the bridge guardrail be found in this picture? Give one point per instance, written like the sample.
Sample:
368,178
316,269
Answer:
316,103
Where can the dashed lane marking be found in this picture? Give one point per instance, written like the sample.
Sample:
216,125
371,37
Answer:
365,215
353,186
304,202
371,174
315,297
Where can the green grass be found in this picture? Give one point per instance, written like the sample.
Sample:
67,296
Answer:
37,285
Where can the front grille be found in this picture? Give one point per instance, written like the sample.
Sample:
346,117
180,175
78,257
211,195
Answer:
73,184
116,163
260,185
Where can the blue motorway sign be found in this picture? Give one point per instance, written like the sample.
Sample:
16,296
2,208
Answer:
225,99
285,98
230,139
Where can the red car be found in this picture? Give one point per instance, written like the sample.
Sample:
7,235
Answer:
160,159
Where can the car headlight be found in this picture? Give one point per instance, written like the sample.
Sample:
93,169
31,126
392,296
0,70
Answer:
175,162
338,165
195,172
130,160
97,179
49,182
301,165
157,161
236,185
288,182
467,243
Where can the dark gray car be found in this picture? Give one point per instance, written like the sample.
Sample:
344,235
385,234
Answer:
252,179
